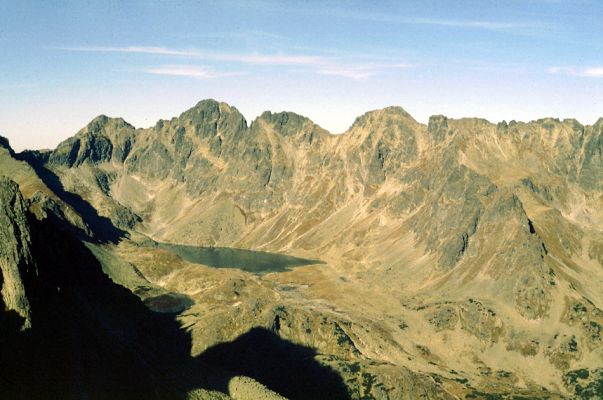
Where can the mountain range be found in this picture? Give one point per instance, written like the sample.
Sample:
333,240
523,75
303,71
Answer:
457,259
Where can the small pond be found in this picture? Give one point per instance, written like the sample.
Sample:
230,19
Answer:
257,262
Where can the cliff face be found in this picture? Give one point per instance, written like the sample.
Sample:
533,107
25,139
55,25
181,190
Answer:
16,262
458,231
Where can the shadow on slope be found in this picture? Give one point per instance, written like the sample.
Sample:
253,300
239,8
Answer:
90,338
10,326
93,339
287,368
102,227
10,321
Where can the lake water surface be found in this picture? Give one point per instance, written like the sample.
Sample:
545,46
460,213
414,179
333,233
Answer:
258,262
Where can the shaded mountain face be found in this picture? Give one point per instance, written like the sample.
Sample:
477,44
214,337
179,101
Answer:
478,247
16,261
68,331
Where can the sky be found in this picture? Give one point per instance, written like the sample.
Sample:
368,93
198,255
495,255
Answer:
64,62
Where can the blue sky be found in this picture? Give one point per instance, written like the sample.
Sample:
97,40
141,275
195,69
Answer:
64,62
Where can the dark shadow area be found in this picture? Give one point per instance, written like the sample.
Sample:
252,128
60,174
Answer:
10,321
257,262
287,368
102,227
10,325
90,338
93,339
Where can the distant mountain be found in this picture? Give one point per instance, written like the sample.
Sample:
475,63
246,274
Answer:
461,255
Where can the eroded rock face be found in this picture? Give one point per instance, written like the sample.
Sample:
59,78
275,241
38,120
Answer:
102,140
15,256
591,171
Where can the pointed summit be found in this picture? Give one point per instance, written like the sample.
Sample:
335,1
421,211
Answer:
103,124
101,140
210,116
387,115
209,109
389,127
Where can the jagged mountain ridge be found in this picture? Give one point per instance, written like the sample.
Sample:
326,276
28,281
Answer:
277,183
393,204
210,144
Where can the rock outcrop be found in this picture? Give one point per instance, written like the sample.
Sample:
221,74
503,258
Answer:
16,263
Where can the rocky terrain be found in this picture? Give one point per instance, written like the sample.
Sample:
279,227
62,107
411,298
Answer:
457,259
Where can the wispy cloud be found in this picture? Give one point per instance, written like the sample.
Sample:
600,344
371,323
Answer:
245,36
360,71
323,65
521,27
589,72
247,58
499,26
190,71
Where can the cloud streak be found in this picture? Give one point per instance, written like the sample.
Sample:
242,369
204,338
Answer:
250,58
190,71
525,27
517,27
360,71
587,72
317,64
499,26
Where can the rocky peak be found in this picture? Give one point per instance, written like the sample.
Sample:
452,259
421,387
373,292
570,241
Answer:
98,122
437,127
92,148
210,118
292,125
104,139
390,127
104,125
204,109
381,141
383,117
285,121
207,110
